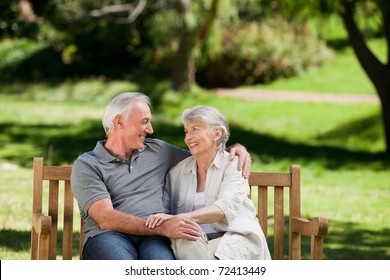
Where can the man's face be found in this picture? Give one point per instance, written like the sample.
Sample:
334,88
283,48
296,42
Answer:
137,126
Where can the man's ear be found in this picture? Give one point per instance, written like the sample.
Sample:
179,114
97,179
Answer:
118,121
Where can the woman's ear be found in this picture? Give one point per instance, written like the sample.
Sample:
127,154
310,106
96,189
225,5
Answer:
218,135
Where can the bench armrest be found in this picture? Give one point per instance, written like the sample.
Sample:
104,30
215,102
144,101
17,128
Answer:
317,229
41,223
41,226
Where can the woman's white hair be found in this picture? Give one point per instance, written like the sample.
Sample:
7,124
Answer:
213,120
121,105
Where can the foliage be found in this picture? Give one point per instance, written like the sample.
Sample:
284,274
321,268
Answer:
261,53
157,40
12,24
102,47
14,52
341,75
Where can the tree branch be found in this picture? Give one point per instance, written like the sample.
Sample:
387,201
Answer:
115,10
370,63
386,23
205,27
137,11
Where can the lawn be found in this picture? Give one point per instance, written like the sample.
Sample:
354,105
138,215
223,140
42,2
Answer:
339,147
342,74
345,175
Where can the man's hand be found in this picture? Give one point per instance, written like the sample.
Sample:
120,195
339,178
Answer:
180,227
244,158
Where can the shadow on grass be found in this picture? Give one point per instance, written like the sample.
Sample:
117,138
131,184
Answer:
58,144
350,241
338,44
63,143
270,148
18,241
345,241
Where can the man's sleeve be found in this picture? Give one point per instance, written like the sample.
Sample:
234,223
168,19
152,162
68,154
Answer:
87,185
175,154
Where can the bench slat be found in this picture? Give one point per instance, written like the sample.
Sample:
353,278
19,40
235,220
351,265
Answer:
57,172
53,213
270,179
68,222
279,223
262,206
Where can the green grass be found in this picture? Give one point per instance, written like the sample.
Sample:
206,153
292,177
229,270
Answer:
343,74
340,147
15,213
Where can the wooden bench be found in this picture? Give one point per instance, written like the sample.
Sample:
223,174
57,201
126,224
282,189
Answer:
54,215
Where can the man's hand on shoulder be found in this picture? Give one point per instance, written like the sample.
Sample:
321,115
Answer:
244,158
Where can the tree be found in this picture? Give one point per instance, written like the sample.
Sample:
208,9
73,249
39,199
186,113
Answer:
195,20
378,72
191,33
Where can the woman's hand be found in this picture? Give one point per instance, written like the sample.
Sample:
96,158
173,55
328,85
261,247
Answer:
157,219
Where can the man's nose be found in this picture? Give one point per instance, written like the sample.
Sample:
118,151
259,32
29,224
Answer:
150,129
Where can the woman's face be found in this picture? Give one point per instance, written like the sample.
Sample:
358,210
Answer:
199,139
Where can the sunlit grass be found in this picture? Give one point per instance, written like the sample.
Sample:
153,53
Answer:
339,147
343,74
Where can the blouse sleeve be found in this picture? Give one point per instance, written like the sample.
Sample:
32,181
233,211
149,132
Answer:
233,191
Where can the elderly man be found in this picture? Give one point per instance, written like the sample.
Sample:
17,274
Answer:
119,184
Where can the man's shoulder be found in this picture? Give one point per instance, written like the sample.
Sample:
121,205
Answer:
183,166
155,141
159,145
87,157
167,152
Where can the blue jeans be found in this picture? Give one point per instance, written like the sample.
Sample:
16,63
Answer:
112,245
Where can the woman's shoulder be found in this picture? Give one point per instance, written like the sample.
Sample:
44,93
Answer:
183,166
224,158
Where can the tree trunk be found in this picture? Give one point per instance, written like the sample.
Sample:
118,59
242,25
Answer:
181,72
185,66
378,72
385,102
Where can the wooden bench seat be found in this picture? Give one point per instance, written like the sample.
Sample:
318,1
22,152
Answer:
54,215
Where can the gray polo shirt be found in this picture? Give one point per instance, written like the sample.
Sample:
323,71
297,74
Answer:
134,186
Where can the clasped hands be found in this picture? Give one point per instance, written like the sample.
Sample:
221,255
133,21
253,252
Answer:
157,219
175,226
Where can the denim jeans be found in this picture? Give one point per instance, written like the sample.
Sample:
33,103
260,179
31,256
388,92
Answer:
112,245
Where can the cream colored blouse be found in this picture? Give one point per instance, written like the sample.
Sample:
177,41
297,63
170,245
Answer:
227,189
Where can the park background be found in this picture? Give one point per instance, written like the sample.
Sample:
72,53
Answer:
62,61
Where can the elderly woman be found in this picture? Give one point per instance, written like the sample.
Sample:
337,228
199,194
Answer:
208,188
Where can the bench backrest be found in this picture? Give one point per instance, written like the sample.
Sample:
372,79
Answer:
46,227
262,184
49,183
